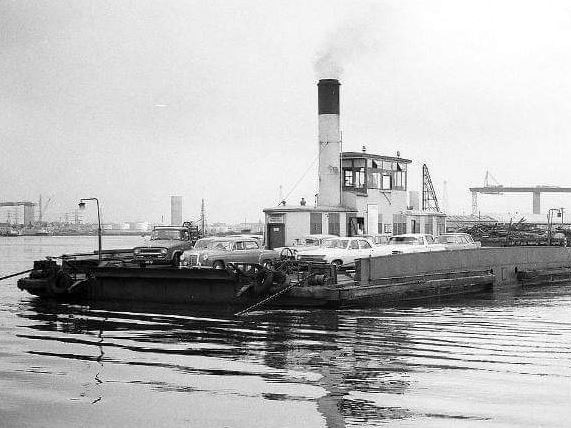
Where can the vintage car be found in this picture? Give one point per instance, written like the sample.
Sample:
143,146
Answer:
217,252
166,245
409,243
457,241
379,239
339,251
308,242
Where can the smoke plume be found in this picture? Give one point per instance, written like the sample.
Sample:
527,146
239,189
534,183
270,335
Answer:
342,47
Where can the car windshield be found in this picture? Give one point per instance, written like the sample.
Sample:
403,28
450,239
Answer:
203,244
335,243
167,234
310,241
404,240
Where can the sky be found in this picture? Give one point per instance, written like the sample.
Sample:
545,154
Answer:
134,101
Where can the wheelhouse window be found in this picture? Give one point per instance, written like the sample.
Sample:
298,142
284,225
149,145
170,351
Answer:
360,178
400,177
386,183
348,178
360,174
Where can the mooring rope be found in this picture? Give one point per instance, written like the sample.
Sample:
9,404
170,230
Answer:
16,274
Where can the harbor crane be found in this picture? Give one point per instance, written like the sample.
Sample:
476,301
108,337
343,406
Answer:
492,187
429,199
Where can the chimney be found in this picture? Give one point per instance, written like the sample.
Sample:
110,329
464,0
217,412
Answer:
329,143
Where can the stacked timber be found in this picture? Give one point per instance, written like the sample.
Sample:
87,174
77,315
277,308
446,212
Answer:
519,233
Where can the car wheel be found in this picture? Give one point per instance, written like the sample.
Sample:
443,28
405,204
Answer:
218,264
287,253
267,264
337,263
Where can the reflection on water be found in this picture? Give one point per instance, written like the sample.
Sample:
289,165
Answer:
497,359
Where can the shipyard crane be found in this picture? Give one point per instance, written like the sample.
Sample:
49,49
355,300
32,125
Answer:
498,189
429,200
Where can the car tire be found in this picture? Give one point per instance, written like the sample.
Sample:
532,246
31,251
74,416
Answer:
337,263
218,264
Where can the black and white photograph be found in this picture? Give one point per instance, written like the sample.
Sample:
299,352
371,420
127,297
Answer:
241,214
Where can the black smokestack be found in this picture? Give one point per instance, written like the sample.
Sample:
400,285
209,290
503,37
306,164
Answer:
328,96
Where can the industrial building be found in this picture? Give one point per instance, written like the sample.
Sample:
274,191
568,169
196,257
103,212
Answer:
359,192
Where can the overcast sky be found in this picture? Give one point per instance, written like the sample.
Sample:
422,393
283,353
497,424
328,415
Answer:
134,101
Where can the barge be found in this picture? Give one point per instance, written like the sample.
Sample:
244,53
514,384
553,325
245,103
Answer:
376,281
80,278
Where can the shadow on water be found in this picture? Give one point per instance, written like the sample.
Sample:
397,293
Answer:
338,359
335,351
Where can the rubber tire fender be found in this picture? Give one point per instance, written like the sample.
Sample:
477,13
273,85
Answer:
61,283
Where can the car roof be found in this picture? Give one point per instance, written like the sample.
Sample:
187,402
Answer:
454,234
231,238
320,235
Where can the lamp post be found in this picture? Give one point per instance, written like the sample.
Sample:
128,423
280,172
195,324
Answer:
81,207
550,212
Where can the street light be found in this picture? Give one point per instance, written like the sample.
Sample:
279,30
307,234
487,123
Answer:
550,212
82,207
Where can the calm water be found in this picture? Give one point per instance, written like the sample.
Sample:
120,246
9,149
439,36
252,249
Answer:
492,360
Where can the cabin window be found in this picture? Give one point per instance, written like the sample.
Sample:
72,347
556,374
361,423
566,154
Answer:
440,225
428,225
380,224
315,223
386,182
399,224
360,178
334,224
374,180
400,177
348,178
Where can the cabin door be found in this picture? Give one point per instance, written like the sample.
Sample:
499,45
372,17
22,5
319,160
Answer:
276,235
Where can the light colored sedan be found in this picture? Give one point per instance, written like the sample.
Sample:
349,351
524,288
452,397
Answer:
457,241
308,242
409,243
339,251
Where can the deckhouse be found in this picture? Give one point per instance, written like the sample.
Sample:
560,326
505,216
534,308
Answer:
359,192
